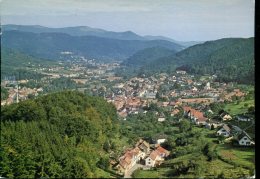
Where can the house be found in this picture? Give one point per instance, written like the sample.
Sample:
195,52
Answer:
152,158
129,159
225,131
156,157
244,139
242,118
226,117
196,116
181,72
211,124
160,138
143,146
161,118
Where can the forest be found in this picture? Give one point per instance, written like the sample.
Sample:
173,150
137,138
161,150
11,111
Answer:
59,135
231,59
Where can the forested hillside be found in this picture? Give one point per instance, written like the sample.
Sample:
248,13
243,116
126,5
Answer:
60,135
14,63
233,62
51,45
231,59
146,56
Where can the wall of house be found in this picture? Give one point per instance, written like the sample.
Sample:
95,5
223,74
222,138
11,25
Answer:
245,141
223,132
160,141
149,162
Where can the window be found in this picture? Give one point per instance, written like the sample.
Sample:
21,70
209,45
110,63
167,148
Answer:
242,142
247,143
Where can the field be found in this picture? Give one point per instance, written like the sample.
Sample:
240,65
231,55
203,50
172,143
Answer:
239,156
234,108
210,170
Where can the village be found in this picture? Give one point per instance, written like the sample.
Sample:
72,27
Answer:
178,95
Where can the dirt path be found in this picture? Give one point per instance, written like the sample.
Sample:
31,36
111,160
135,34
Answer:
130,172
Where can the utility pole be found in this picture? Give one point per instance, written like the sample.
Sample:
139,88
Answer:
17,93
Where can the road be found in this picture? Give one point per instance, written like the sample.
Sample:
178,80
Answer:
130,172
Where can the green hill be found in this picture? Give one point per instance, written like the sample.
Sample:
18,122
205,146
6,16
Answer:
15,63
51,45
231,59
146,56
60,135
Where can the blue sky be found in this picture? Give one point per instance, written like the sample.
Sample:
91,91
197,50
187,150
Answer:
183,20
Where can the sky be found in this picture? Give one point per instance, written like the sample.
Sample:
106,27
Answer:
183,20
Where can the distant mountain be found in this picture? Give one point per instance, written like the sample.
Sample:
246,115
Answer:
51,45
231,59
184,44
89,31
148,55
75,31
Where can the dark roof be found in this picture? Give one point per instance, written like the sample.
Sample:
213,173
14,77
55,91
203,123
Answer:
225,126
243,134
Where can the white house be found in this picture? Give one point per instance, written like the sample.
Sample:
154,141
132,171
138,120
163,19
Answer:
152,158
244,139
225,131
226,117
160,141
243,118
161,119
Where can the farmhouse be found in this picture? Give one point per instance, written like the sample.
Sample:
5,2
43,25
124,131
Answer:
244,139
156,157
242,118
129,159
225,131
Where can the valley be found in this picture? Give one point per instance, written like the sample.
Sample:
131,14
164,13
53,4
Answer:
80,103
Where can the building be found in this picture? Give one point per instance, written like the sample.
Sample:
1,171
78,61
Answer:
196,116
225,131
129,159
243,118
226,117
244,139
161,117
156,157
143,145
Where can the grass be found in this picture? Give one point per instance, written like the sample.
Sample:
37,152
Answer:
240,156
210,170
235,109
159,173
102,174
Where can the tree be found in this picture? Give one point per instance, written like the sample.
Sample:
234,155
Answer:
251,110
106,146
184,126
103,163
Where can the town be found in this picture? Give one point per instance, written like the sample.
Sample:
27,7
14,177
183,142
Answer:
178,95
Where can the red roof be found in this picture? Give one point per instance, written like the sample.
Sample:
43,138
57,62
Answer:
187,108
154,154
161,150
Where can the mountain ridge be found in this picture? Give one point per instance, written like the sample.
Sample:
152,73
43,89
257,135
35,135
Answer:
50,45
